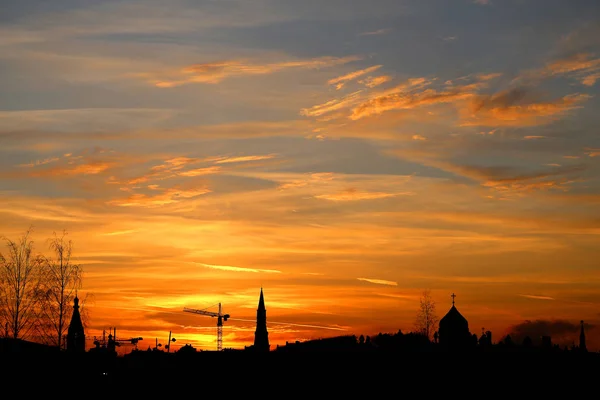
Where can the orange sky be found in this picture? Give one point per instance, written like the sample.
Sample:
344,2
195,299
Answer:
344,160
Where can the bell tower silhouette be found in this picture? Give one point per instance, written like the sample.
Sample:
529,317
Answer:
75,333
261,336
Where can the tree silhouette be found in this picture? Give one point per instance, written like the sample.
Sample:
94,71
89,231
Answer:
21,274
62,279
427,318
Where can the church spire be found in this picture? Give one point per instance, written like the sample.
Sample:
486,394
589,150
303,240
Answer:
75,332
261,336
582,345
261,301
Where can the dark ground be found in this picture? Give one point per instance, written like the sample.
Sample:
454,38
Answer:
317,374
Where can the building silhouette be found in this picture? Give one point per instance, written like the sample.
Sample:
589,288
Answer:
261,336
75,333
454,330
582,345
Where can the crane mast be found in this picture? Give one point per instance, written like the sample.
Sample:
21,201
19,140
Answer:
220,318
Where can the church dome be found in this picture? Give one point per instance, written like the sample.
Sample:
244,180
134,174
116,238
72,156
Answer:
453,318
454,329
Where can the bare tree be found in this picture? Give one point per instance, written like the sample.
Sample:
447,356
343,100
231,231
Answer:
427,319
20,281
62,279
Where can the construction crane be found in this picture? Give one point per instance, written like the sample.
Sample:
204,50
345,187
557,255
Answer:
220,318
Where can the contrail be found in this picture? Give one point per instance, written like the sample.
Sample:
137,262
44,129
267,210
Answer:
291,324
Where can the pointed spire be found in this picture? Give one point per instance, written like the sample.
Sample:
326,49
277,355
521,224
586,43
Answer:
261,336
75,331
261,301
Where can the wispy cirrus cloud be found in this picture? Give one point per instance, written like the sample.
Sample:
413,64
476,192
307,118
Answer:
37,163
119,233
411,94
373,81
378,281
85,168
509,108
166,197
201,171
537,297
238,159
332,105
503,181
382,31
409,99
583,67
592,152
353,194
212,73
181,166
512,107
340,81
81,119
239,269
314,178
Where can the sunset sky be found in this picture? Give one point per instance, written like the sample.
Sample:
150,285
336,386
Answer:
344,155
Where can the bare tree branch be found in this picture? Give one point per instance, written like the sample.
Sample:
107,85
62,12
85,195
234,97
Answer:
427,318
21,274
61,281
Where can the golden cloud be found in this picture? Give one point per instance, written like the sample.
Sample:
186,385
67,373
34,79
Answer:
508,108
581,67
244,159
212,73
240,269
355,195
340,81
168,196
201,171
504,180
536,297
577,63
399,101
332,105
177,167
592,152
40,162
378,281
89,168
373,81
512,107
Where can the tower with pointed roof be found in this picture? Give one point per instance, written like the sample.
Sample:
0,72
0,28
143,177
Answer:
261,336
454,329
75,333
582,345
